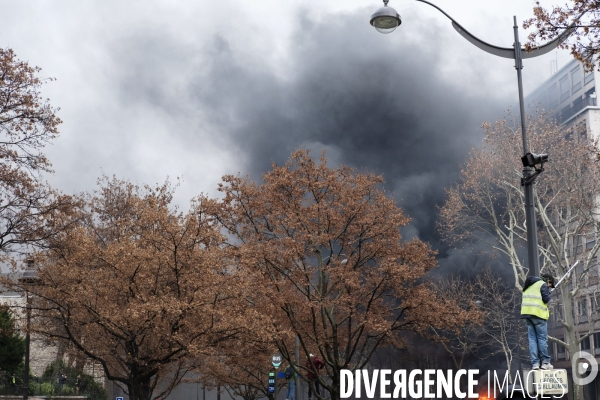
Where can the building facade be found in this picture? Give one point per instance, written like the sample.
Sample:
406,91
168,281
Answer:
570,97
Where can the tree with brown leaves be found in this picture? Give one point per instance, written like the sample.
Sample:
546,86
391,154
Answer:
324,251
27,124
581,15
241,366
488,205
465,340
137,286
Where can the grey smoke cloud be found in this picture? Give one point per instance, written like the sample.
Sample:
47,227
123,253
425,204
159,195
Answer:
375,102
146,98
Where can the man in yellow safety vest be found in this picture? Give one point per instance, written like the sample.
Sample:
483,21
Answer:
534,310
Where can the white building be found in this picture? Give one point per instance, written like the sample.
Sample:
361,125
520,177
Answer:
569,97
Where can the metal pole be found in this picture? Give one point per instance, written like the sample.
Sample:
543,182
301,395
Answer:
27,341
530,220
564,276
297,356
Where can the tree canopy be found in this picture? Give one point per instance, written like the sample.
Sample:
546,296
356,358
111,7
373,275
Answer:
488,204
27,123
136,285
12,345
581,15
322,246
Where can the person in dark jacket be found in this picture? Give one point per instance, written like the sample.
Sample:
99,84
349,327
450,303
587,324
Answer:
534,310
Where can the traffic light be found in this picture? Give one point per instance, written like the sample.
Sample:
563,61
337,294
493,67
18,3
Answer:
271,388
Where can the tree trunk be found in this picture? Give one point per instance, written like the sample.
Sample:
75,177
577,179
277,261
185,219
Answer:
334,391
508,367
571,337
139,389
577,392
60,353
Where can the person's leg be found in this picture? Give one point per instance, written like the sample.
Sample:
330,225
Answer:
541,328
318,386
291,395
533,343
310,390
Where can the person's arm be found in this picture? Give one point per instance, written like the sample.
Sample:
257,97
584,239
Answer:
545,292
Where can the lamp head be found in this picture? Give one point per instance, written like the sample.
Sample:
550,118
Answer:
385,19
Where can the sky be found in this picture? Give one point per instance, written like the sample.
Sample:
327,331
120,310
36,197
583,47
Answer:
198,89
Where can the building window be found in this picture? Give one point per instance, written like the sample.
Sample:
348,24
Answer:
590,96
593,279
565,89
558,310
595,299
582,310
579,248
560,350
588,77
576,79
585,343
553,91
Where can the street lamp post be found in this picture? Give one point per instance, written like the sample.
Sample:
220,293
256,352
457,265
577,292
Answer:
386,20
29,277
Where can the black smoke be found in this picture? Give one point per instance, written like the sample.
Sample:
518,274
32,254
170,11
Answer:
388,104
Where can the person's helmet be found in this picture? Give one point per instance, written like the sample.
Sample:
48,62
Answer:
548,279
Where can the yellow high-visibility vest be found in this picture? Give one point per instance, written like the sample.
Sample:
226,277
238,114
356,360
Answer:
532,303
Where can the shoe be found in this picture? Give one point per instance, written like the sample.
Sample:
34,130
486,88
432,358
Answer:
547,366
536,366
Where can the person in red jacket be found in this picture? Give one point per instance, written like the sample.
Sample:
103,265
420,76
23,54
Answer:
314,365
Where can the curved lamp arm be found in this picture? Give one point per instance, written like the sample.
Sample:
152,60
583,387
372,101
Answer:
506,52
387,19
